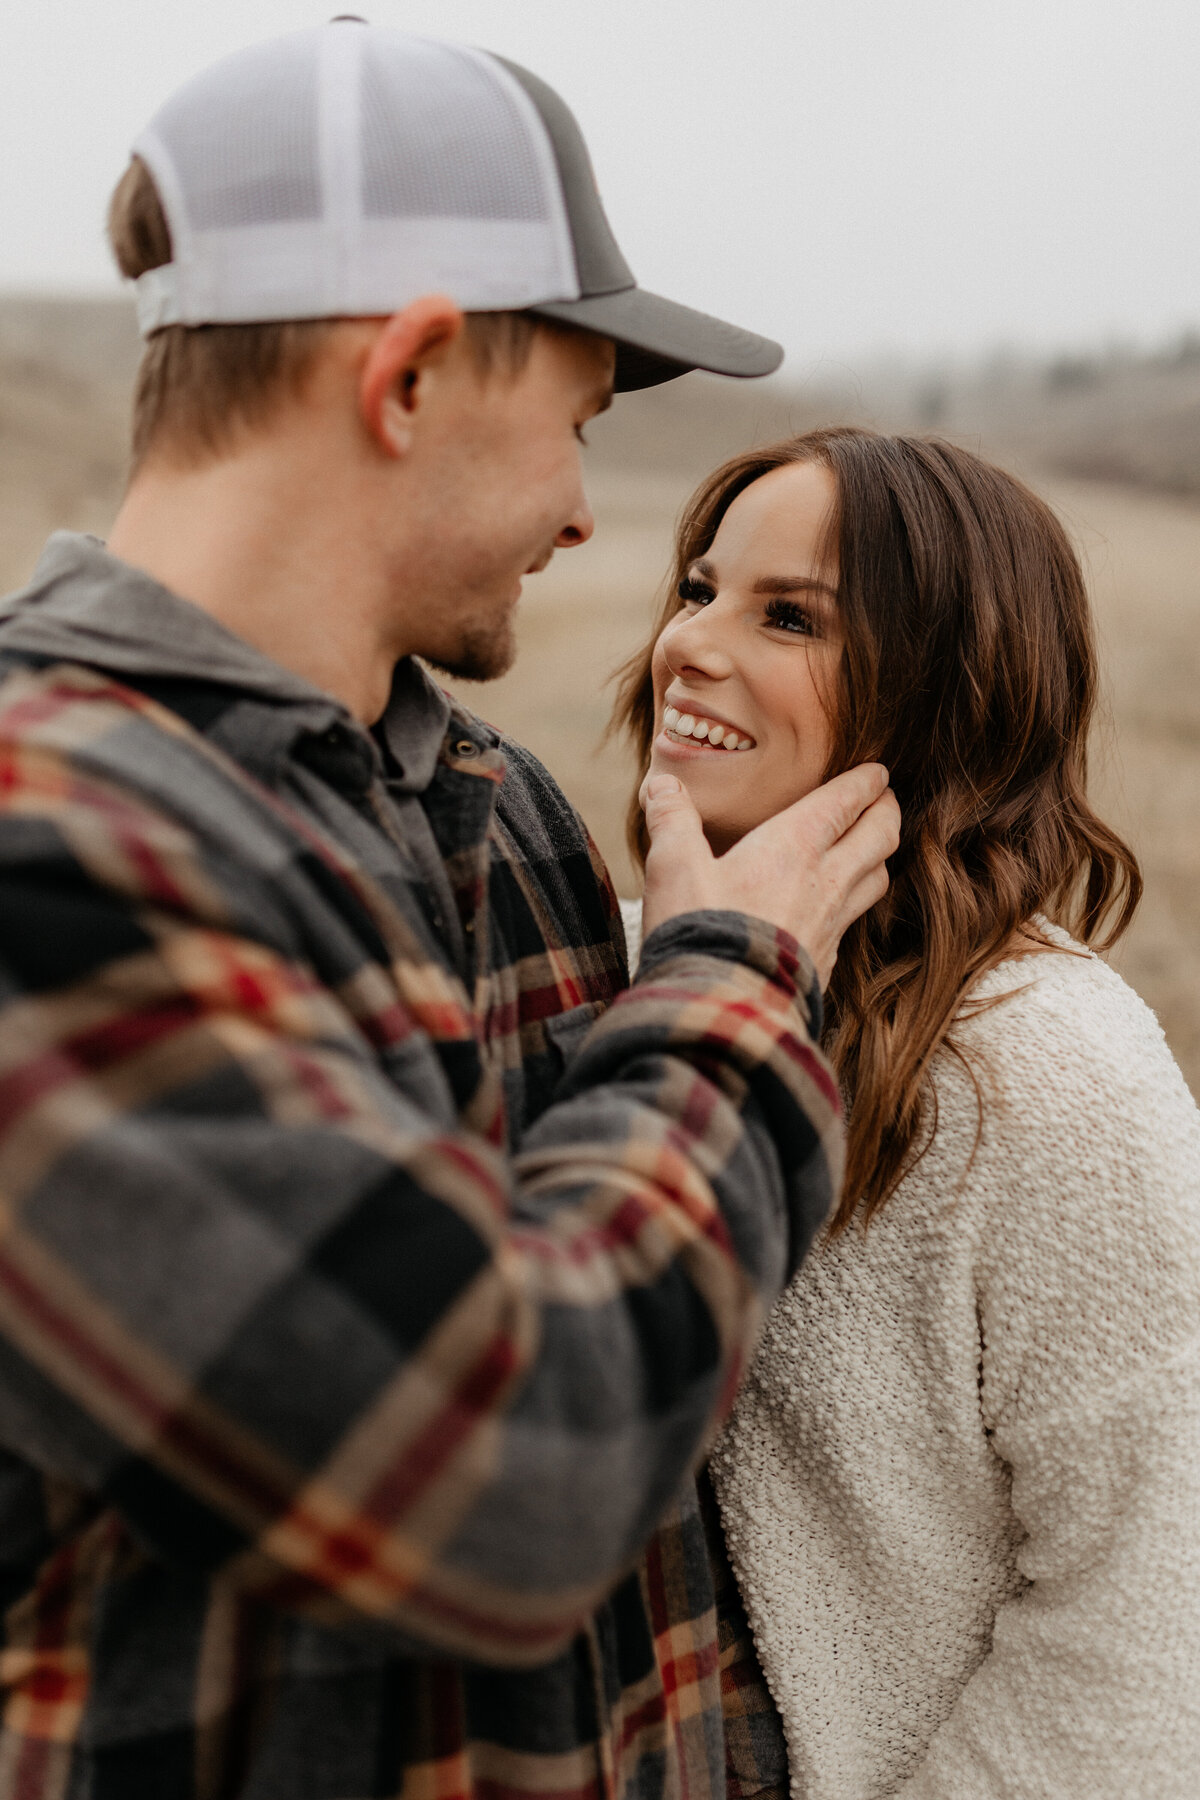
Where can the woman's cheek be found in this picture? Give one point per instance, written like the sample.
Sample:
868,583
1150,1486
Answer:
660,674
729,797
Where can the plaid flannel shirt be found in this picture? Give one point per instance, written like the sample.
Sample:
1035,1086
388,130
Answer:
360,1315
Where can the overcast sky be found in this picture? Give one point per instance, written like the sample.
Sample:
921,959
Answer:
851,177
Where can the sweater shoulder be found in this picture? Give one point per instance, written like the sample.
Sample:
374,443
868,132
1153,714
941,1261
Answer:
1062,1038
1085,1177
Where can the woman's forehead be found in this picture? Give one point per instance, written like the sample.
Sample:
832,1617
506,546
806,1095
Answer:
780,522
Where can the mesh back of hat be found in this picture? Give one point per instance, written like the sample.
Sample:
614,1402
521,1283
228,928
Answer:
347,170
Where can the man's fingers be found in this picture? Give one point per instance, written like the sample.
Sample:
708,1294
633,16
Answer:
875,834
861,867
679,859
863,849
812,868
867,892
830,811
671,816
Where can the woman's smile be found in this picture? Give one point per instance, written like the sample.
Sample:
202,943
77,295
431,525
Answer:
687,725
745,672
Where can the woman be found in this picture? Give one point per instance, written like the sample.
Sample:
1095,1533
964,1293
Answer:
961,1487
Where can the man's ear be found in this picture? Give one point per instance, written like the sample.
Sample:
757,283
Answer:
409,344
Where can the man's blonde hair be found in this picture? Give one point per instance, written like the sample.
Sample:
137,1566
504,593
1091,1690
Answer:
198,385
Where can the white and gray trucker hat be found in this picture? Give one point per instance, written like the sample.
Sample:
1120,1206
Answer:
345,170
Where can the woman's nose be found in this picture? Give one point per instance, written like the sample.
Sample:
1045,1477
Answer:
698,643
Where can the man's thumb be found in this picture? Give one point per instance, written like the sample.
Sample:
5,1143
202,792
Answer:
671,816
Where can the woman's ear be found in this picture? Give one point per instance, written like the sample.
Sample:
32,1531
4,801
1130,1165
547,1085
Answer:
391,388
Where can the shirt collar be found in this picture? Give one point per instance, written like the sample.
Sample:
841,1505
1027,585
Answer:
85,605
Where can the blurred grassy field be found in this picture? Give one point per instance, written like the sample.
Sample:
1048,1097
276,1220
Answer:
64,379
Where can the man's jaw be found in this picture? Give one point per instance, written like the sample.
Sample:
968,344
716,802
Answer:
484,652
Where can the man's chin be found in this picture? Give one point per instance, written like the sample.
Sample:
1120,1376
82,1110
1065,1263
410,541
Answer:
478,656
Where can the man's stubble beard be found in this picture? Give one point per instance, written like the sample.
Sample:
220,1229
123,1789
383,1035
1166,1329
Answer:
483,653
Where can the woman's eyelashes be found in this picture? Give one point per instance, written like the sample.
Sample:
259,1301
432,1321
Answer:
788,615
783,614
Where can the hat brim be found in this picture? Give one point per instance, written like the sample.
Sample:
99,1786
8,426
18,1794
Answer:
658,340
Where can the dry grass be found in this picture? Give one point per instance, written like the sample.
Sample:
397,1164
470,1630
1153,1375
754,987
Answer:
64,375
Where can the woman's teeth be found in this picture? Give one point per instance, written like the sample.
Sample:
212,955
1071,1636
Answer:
688,725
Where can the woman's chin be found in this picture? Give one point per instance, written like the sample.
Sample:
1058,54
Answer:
721,790
725,772
720,829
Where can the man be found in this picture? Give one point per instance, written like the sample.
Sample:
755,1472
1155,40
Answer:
352,1346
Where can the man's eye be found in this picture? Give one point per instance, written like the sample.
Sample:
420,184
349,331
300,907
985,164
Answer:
696,592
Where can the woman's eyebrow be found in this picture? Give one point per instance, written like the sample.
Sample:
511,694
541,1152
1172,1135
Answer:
793,584
771,584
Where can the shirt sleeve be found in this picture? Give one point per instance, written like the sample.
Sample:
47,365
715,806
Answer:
305,1329
1090,1390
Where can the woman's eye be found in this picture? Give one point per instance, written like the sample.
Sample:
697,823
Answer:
788,616
694,592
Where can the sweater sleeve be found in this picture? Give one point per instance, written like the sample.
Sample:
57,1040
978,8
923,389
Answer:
631,919
1089,1305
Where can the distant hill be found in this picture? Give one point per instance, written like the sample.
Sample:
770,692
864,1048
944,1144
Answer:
66,370
1121,418
67,367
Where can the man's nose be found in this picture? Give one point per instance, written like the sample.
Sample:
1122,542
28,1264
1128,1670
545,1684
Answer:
578,528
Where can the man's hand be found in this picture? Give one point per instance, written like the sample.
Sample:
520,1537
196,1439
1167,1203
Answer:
813,869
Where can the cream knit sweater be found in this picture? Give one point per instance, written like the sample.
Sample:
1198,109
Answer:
961,1486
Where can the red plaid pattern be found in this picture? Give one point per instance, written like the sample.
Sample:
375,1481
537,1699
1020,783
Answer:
358,1322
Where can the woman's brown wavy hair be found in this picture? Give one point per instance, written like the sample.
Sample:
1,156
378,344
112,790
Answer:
969,669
